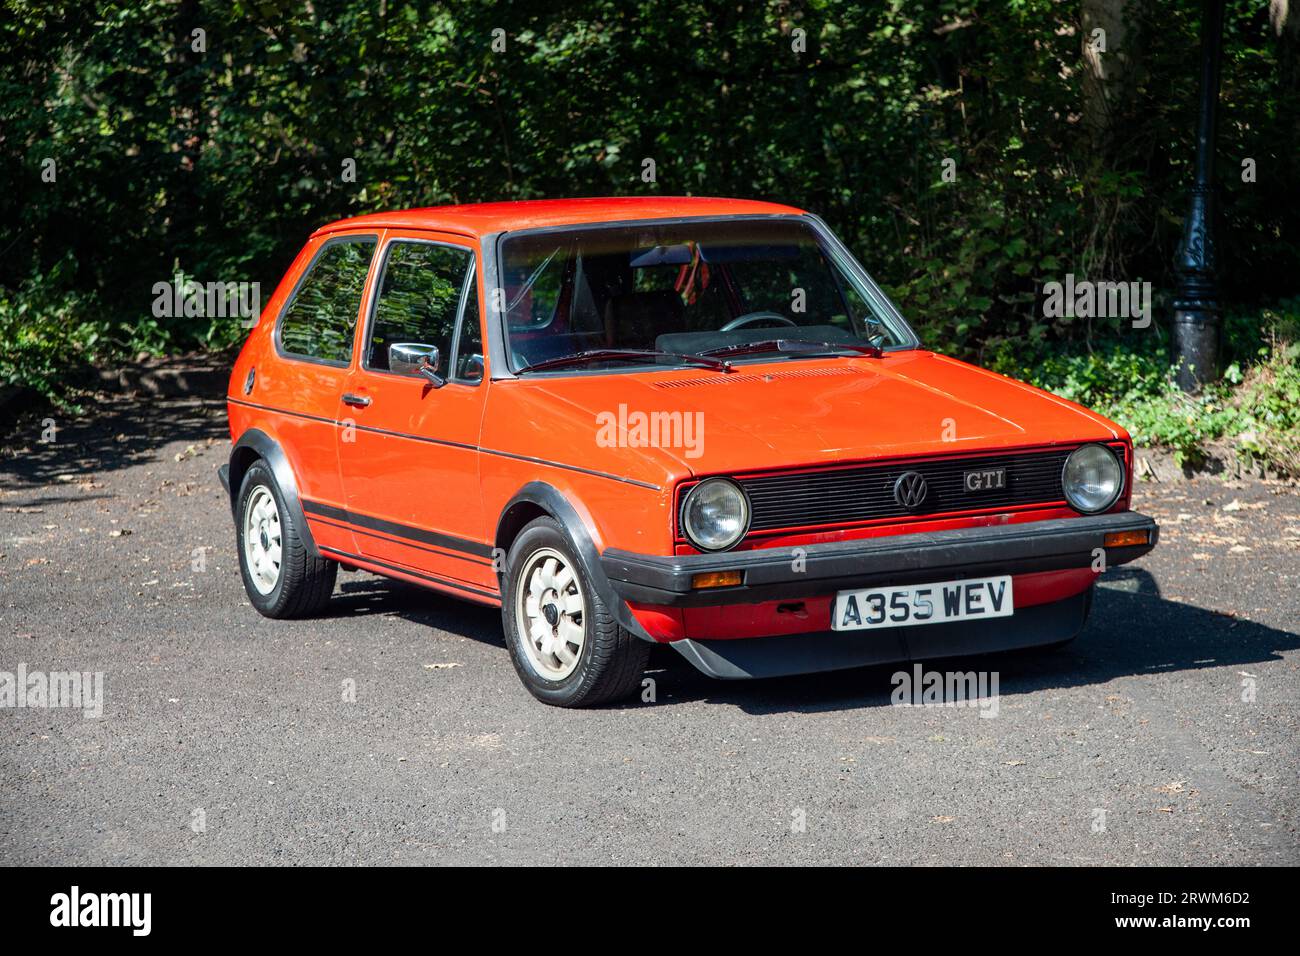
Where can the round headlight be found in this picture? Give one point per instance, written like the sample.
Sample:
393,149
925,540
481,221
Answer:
1092,479
715,514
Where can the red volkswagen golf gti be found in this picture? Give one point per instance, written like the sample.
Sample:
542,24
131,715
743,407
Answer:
695,422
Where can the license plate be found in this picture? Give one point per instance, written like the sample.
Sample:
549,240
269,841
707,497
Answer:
922,604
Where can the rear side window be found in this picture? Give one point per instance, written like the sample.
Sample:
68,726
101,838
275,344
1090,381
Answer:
320,320
419,298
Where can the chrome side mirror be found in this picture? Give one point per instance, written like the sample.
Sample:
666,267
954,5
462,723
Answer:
413,358
473,368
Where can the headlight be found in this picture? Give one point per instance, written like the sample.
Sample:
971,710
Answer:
1093,478
715,514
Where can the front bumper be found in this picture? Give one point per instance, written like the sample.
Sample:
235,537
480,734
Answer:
778,573
813,653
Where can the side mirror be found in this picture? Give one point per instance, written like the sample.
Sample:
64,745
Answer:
413,358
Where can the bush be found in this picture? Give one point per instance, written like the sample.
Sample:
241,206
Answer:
48,330
1255,407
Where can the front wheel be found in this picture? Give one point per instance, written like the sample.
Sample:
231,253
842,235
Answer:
281,577
565,643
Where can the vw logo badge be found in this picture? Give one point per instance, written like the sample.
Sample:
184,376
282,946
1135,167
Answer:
910,489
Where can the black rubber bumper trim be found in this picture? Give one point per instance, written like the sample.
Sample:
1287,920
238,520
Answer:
776,573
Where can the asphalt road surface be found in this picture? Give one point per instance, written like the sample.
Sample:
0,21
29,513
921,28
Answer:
1166,734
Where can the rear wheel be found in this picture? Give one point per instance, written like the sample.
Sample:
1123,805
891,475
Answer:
280,575
565,643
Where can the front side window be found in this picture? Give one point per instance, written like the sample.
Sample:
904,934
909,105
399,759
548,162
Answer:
469,347
418,300
696,287
320,320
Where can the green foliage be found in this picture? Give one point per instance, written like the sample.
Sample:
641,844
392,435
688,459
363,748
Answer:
1255,409
48,331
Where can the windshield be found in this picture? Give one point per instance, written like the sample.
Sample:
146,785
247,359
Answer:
684,288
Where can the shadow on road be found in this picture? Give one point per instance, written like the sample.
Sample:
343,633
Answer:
1132,631
368,594
112,435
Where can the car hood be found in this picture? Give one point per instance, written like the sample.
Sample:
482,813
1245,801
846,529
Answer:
805,412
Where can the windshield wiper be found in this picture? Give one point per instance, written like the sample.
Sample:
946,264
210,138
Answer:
796,346
625,355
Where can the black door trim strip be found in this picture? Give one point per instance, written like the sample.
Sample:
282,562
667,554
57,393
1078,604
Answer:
397,539
443,582
450,542
448,444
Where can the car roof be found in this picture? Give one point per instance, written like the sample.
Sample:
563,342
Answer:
476,220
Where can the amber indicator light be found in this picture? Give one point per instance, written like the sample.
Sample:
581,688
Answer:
1124,539
715,579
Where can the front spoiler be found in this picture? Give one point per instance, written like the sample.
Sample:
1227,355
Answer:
787,655
777,573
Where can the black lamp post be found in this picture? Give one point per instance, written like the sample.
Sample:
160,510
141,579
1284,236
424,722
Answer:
1196,302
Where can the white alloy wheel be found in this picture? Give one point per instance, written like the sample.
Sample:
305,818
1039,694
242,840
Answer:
550,613
262,543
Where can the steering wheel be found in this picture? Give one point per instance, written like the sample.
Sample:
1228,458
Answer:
741,321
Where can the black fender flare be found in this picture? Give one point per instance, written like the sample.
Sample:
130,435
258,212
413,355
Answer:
256,443
551,500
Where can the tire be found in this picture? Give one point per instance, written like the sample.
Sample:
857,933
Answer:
603,665
299,585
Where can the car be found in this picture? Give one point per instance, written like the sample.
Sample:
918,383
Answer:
631,422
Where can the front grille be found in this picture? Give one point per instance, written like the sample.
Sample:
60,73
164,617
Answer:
852,495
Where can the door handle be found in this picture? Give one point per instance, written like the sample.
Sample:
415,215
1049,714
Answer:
359,400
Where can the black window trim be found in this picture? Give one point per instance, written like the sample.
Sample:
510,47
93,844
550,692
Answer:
468,280
284,353
469,288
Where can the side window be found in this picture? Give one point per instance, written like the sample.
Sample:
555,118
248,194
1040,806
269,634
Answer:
321,319
469,347
419,294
